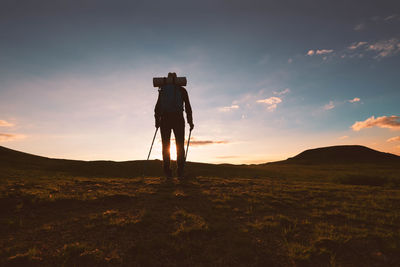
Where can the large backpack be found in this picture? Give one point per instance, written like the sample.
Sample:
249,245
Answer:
171,99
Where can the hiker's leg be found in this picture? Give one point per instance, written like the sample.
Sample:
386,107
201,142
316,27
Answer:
179,132
165,137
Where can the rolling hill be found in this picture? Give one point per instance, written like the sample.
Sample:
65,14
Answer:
348,154
12,162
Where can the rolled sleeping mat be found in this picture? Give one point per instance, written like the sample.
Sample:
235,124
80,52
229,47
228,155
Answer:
161,81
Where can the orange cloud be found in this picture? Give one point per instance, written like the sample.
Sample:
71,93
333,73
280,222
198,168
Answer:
356,99
391,122
393,139
310,52
319,52
226,109
356,45
272,102
5,124
323,51
195,142
385,48
227,157
10,137
206,142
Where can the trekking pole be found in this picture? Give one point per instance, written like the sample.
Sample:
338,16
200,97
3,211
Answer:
187,148
148,156
152,143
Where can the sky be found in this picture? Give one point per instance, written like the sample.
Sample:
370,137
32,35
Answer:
266,79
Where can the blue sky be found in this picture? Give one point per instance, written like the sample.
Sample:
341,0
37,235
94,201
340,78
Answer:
267,79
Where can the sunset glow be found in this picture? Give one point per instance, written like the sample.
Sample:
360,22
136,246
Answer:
76,78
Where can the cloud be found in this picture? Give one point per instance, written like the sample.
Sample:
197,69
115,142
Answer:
356,99
378,50
272,102
393,139
383,19
283,92
5,124
385,48
319,52
391,17
329,106
206,142
226,109
391,122
310,52
323,51
356,45
227,157
359,27
4,137
196,142
343,137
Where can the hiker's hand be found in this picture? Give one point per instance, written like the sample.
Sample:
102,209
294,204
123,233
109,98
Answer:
157,123
191,126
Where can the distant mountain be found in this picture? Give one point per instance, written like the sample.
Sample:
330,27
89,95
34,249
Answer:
11,157
12,161
16,164
349,154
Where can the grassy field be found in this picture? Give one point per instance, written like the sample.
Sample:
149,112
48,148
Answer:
356,174
207,221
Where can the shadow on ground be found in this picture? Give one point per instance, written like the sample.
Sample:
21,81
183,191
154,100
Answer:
203,222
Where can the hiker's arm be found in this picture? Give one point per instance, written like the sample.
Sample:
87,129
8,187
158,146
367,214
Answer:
157,112
188,108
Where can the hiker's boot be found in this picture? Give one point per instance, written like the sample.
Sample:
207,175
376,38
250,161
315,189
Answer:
180,175
168,174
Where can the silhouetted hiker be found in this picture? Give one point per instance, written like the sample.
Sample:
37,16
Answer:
172,100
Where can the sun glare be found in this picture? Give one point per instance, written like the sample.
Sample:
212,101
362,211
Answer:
173,150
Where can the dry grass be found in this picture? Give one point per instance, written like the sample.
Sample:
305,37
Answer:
207,221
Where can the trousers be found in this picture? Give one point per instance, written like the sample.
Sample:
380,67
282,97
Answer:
175,122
